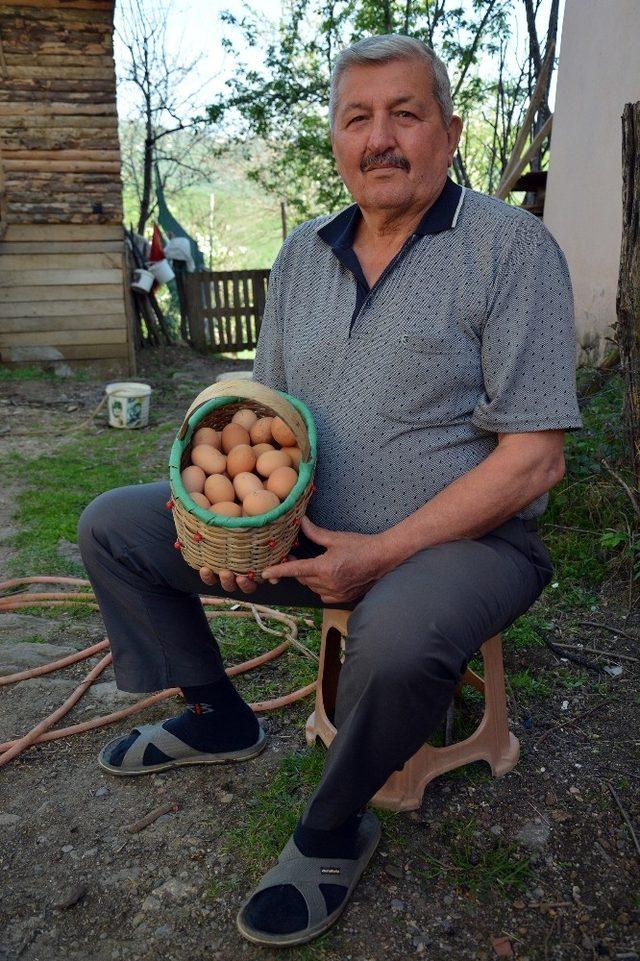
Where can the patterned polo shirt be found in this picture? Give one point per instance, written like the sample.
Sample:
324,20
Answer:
468,333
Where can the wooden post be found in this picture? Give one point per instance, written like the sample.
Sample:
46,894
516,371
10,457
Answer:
628,298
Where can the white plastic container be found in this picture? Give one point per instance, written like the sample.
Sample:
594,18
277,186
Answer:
161,270
128,404
142,280
178,248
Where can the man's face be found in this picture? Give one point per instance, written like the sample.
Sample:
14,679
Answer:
390,143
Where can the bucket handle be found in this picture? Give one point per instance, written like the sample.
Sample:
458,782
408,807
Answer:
250,390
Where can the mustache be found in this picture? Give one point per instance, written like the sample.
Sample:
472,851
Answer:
386,159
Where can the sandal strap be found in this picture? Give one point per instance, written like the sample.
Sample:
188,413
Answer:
163,740
306,874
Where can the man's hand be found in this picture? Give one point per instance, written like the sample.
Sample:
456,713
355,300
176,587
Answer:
228,580
350,565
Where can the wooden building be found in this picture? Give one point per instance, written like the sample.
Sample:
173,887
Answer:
62,295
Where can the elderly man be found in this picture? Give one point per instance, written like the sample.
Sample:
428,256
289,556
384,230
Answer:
430,331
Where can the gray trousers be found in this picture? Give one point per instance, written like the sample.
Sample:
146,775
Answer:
410,636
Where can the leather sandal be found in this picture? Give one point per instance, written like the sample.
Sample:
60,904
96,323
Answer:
177,753
307,874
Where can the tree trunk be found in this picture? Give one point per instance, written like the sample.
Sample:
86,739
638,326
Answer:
628,299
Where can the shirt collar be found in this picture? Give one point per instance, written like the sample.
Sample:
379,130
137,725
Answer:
340,231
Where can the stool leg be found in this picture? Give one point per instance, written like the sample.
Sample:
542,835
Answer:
320,723
503,747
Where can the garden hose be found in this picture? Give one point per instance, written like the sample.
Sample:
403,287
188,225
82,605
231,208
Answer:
14,600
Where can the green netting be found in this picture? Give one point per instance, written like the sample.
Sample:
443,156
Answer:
305,471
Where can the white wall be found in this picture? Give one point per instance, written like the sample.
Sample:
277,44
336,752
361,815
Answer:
598,72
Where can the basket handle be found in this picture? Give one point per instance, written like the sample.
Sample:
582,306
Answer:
251,390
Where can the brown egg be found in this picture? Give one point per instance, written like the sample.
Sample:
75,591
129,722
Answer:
207,435
246,483
211,461
295,454
261,431
240,459
228,508
218,488
261,448
259,502
281,433
271,459
232,435
200,499
245,417
282,481
193,479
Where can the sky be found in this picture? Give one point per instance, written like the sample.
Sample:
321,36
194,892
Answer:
194,29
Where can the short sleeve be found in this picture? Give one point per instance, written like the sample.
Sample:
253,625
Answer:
529,340
268,367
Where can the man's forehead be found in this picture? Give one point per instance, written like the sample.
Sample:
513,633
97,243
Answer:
389,99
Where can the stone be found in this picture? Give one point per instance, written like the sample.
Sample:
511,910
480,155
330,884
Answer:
71,896
173,888
102,791
108,696
17,655
497,829
534,836
394,870
9,820
397,905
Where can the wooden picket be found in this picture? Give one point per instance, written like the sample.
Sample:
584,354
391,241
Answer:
225,308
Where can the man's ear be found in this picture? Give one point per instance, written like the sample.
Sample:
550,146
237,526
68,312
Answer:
454,132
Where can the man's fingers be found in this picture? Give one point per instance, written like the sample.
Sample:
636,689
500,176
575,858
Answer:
295,568
228,581
207,575
246,584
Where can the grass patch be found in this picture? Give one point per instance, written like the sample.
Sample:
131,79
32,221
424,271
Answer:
527,685
62,483
270,818
475,863
527,632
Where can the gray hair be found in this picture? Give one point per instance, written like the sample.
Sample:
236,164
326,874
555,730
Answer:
386,49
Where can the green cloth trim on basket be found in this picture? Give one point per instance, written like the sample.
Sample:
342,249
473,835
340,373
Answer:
305,472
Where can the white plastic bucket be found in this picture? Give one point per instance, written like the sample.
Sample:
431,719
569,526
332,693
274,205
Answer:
161,270
128,404
142,280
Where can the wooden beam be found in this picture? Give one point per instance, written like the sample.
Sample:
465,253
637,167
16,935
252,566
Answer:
70,262
525,130
16,5
61,352
79,247
59,72
89,321
57,337
507,185
59,308
19,109
63,154
26,295
66,232
55,278
72,166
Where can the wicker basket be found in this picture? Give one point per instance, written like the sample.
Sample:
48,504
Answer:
245,545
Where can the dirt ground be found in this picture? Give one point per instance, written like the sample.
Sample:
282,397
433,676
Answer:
75,884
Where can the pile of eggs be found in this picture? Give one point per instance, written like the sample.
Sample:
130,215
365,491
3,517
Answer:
246,469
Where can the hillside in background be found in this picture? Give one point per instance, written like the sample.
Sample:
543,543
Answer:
239,229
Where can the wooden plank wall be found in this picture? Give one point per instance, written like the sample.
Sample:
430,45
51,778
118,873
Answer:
61,254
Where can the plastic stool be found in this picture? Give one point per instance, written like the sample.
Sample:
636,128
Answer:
492,740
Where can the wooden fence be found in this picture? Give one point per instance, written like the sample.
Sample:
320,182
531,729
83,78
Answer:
225,308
